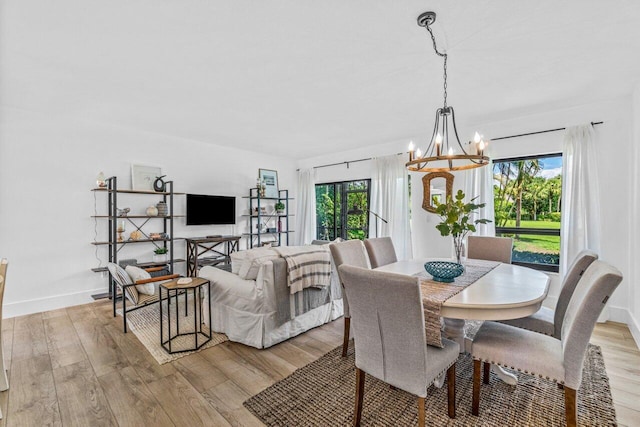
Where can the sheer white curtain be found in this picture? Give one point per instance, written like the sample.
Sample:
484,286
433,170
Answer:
306,212
479,183
390,200
580,195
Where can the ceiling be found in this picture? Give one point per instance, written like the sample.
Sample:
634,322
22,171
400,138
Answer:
300,78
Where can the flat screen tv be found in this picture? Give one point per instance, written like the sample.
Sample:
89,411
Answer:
205,210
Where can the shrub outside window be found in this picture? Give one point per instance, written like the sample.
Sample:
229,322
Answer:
342,210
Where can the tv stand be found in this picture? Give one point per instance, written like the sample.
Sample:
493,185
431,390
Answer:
218,248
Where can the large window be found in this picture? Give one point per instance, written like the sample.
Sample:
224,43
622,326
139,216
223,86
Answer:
342,210
528,202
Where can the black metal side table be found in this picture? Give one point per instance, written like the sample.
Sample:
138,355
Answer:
200,338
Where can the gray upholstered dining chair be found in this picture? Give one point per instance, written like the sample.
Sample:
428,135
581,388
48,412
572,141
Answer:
537,354
490,248
391,342
381,251
350,252
547,321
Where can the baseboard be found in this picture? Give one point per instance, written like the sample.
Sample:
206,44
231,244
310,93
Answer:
623,315
38,305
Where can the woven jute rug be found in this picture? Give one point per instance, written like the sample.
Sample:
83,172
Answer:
145,324
322,394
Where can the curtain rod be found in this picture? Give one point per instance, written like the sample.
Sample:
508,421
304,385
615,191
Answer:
535,133
492,139
347,162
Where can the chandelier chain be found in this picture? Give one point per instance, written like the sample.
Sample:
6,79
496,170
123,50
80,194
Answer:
444,55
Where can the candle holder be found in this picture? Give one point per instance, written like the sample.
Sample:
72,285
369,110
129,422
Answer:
120,228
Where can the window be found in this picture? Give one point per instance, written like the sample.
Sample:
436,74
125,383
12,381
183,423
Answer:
342,210
528,202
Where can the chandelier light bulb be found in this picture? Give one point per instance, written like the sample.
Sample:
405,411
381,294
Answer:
481,145
438,139
450,152
476,138
418,153
411,152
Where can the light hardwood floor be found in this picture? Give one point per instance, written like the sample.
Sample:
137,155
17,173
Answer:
75,367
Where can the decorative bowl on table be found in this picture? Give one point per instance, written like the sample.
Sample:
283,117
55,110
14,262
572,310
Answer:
444,271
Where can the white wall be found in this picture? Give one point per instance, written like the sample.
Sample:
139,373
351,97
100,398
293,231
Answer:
617,172
634,227
614,171
48,165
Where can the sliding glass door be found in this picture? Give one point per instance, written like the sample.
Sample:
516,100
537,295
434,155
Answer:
342,210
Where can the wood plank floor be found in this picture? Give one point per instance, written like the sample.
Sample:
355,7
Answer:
75,367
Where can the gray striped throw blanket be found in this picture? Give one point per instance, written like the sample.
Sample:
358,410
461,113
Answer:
307,266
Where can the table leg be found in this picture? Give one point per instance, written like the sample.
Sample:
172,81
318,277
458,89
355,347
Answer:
454,330
504,375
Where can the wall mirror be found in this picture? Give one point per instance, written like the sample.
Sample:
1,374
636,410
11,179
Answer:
436,186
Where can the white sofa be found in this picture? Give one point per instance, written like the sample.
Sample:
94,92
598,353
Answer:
252,304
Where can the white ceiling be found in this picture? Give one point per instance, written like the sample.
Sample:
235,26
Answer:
300,78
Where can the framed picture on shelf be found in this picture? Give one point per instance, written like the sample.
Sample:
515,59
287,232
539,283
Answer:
142,177
270,179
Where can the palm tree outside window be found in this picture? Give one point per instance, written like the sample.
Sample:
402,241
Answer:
528,203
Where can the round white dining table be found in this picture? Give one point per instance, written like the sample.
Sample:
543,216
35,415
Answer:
506,292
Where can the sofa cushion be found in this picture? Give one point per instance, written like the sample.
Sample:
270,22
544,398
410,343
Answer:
253,260
237,258
136,273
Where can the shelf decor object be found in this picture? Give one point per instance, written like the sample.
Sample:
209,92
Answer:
270,180
118,220
444,271
266,221
143,177
100,182
441,155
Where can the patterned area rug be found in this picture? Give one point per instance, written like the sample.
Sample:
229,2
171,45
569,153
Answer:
322,394
145,324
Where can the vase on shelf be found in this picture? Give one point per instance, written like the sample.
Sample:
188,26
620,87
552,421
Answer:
160,257
152,211
163,209
120,229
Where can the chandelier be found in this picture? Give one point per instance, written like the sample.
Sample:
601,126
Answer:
441,154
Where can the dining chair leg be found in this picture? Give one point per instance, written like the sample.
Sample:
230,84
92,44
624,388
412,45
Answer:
451,391
345,342
475,404
421,414
357,412
487,372
570,407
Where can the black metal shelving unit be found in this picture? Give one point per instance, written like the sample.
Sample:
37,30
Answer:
270,220
138,221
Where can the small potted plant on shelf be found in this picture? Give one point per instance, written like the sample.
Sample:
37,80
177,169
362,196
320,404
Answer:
279,207
161,254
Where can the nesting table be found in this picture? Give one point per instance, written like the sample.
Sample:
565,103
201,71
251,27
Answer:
177,341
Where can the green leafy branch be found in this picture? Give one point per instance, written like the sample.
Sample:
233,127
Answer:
456,221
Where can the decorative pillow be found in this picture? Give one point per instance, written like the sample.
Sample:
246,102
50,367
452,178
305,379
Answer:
122,277
237,258
136,274
253,260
